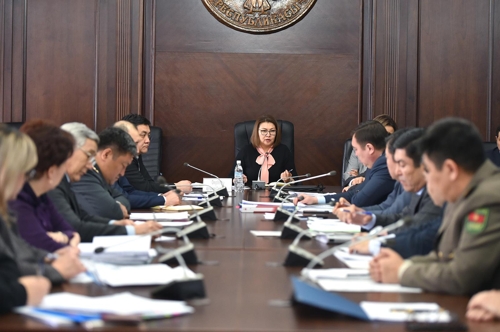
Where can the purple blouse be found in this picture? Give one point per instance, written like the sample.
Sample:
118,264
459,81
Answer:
36,216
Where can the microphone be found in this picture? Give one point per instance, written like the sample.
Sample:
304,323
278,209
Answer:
212,198
186,251
197,230
290,231
222,191
372,235
163,182
331,173
284,214
292,177
298,256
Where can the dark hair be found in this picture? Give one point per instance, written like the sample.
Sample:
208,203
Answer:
117,140
498,131
409,141
53,145
385,120
455,139
255,140
136,119
372,132
389,140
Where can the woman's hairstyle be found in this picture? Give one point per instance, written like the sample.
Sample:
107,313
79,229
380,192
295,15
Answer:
53,145
385,120
255,139
17,156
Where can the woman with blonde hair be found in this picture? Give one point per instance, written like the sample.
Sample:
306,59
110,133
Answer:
17,157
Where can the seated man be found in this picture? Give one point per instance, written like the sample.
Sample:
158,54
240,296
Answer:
141,199
136,173
458,173
64,198
368,142
494,154
94,192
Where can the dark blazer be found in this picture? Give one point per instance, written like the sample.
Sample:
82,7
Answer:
377,186
494,156
421,208
86,225
417,239
138,199
395,202
138,176
97,197
26,256
249,154
12,293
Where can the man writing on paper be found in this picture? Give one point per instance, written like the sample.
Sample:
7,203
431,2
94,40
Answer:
458,173
418,238
368,142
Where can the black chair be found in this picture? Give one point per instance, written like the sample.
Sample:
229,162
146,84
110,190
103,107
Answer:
345,159
489,146
152,159
243,132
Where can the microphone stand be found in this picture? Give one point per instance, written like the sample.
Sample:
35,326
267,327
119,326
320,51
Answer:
186,251
332,173
290,231
212,200
220,192
292,177
284,214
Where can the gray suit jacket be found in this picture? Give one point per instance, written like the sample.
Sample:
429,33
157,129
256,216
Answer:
97,197
86,225
27,257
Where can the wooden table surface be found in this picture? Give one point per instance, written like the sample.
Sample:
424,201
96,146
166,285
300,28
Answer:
244,282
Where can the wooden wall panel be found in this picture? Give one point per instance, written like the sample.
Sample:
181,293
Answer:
454,61
209,77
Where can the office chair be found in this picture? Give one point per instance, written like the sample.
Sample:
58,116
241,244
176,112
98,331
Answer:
345,159
243,132
489,146
152,159
16,125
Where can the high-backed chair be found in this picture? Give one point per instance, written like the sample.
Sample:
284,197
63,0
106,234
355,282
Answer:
16,125
243,132
489,145
345,159
152,159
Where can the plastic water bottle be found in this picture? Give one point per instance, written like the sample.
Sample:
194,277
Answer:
238,177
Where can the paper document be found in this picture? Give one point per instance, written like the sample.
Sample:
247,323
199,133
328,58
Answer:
401,312
159,216
278,204
363,285
334,274
269,216
119,249
266,233
332,226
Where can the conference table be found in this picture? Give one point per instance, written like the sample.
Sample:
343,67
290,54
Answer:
248,288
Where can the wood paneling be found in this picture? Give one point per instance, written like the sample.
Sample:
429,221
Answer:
209,77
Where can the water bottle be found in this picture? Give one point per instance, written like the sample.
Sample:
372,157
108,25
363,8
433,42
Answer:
238,177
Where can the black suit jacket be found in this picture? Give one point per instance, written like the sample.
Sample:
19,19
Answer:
86,225
97,197
138,176
421,208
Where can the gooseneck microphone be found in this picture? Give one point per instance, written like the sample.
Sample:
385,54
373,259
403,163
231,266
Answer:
292,177
222,191
331,173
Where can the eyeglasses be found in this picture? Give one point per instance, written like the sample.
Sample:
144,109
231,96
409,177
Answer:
90,156
30,174
264,132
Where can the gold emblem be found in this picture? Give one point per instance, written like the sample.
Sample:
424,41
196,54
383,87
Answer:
258,15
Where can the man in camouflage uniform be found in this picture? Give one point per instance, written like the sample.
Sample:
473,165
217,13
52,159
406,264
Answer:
465,259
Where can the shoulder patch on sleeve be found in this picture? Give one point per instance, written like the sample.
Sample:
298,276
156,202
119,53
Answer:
476,221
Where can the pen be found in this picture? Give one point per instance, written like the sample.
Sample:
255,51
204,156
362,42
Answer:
415,311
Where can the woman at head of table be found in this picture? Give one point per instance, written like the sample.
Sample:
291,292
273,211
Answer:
266,159
17,156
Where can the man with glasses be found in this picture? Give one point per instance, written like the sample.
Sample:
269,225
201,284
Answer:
136,172
64,198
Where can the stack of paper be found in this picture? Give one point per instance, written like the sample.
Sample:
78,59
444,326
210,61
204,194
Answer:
125,305
332,226
353,261
125,250
161,216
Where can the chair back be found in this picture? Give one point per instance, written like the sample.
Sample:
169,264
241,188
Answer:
16,125
243,133
489,146
345,159
152,159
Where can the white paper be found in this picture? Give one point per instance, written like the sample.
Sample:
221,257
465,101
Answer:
363,285
344,255
400,312
266,233
159,216
120,304
175,223
285,205
183,208
345,274
165,239
332,226
269,216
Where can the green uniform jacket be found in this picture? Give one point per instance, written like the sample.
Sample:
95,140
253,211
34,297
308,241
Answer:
467,258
